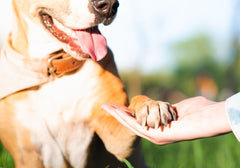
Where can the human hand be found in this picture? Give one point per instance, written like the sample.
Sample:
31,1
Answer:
197,118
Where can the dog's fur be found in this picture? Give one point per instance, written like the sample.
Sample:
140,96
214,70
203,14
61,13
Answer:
60,124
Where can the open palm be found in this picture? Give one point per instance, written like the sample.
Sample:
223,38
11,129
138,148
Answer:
197,118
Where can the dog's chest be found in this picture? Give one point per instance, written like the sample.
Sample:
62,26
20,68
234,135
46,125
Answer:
57,115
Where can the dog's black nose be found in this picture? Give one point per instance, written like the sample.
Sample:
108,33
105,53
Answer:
106,8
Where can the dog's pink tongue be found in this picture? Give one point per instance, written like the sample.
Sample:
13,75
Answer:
92,43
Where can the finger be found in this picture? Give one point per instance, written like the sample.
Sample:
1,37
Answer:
123,115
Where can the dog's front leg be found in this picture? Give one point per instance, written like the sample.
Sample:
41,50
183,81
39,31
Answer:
120,141
117,139
16,139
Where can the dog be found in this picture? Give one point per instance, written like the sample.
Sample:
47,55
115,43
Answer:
56,71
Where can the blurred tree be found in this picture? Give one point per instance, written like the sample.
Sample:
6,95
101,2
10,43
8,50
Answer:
132,82
233,72
197,72
195,57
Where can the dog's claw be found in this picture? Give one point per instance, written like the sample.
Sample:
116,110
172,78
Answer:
173,112
164,120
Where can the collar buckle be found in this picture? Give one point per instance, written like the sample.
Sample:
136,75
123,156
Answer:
52,70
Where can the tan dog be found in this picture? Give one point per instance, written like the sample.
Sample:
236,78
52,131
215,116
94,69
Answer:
52,89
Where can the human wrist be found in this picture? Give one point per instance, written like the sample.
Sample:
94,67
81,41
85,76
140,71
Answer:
223,117
215,120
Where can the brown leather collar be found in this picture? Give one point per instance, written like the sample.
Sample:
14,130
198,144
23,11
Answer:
60,63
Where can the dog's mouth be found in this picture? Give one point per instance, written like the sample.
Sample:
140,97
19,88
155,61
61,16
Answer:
84,42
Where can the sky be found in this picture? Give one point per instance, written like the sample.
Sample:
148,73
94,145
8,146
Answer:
144,30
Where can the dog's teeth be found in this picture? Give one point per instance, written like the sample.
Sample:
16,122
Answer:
69,32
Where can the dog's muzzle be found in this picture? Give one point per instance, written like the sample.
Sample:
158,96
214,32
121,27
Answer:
105,10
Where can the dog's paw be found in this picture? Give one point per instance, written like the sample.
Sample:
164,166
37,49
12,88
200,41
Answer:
152,113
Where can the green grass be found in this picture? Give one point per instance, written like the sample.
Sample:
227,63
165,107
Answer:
220,152
129,165
6,160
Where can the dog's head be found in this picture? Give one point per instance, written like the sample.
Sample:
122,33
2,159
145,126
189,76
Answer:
74,23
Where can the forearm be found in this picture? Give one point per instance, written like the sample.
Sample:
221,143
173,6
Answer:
217,119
